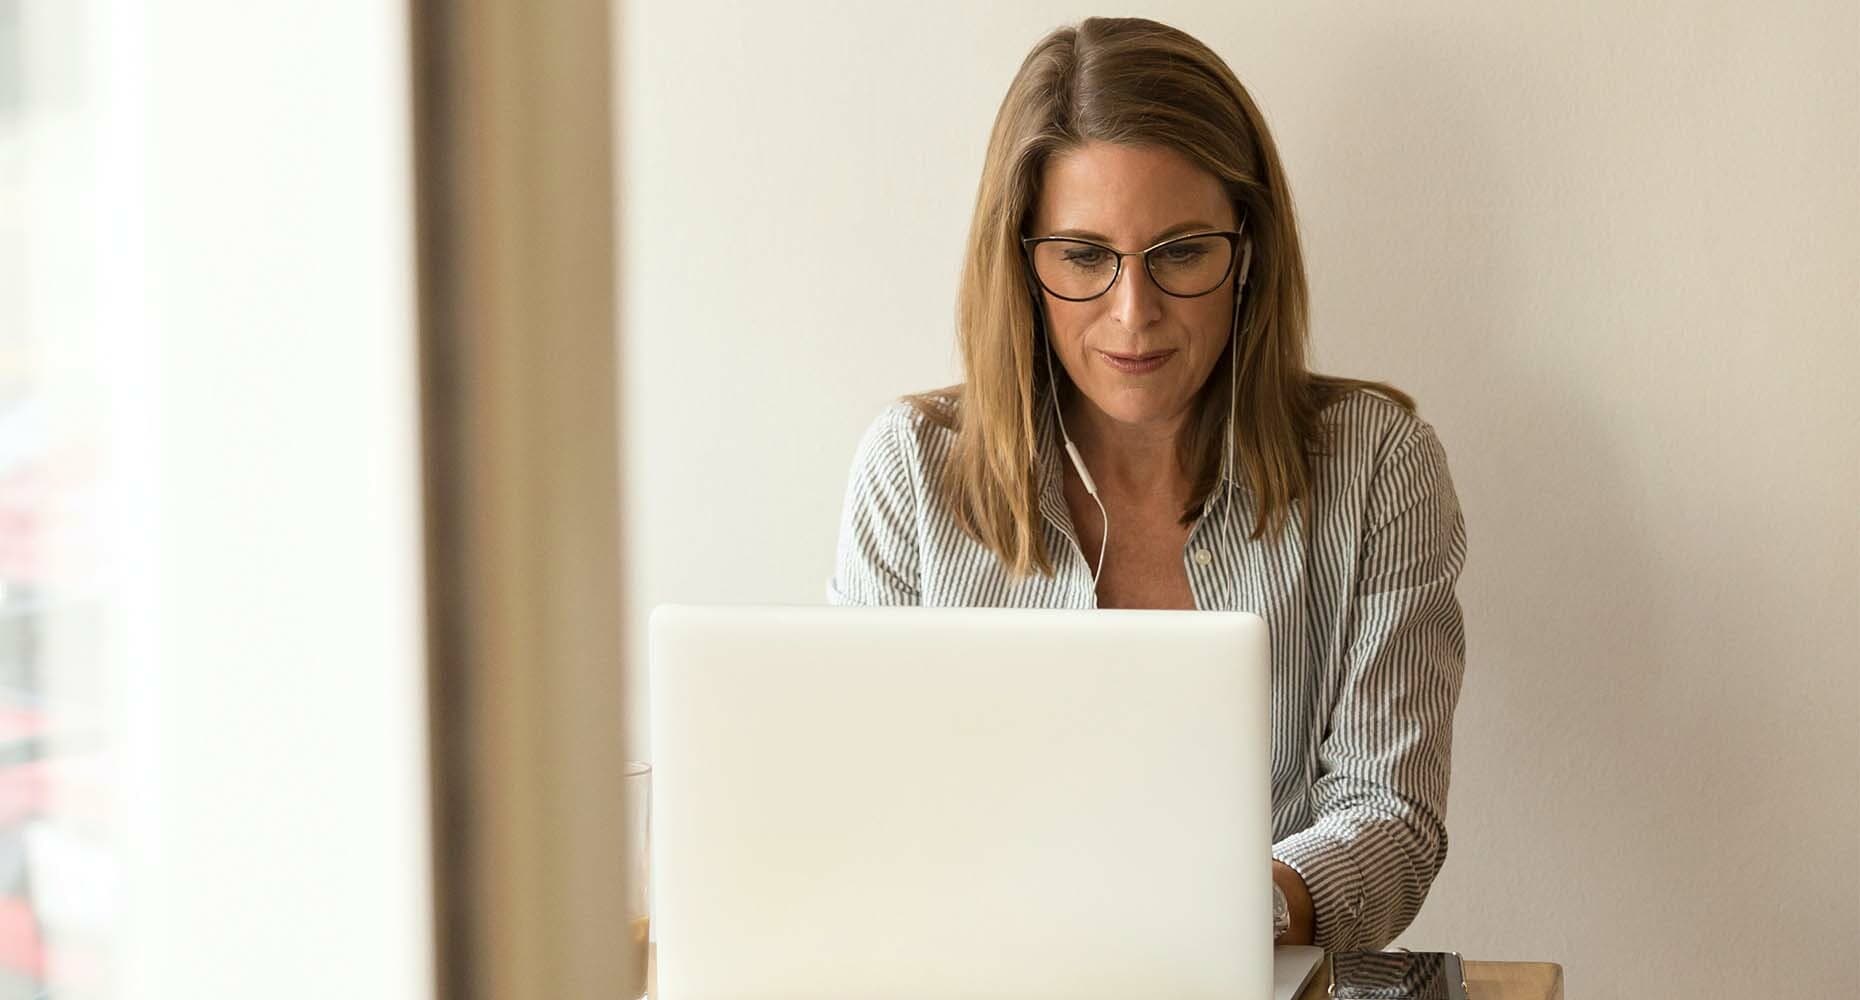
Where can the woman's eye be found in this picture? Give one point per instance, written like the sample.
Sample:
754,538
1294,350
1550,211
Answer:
1084,257
1183,255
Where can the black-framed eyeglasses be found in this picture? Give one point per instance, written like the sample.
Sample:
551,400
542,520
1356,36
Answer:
1183,266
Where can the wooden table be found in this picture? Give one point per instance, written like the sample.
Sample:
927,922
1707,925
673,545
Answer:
1484,981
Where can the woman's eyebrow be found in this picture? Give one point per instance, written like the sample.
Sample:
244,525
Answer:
1180,227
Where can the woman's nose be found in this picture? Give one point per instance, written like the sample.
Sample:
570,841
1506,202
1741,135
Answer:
1135,299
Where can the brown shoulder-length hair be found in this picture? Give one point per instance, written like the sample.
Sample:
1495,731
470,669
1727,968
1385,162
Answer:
1137,82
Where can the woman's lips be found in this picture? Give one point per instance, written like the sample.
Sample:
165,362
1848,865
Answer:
1137,364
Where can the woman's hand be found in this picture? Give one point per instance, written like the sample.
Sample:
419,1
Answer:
1298,900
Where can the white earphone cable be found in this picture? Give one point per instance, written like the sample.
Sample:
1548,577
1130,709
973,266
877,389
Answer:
1233,359
1072,451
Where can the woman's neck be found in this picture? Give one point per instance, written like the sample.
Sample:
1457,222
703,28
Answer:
1128,460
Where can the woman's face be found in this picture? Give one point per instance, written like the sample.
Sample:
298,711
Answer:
1138,354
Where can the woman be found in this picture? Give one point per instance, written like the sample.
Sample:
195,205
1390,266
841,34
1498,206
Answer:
1138,429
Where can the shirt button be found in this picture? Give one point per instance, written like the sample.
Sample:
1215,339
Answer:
1203,557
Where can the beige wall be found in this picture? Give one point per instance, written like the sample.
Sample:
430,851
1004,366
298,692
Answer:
1613,253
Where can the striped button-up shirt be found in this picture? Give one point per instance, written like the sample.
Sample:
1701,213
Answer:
1367,644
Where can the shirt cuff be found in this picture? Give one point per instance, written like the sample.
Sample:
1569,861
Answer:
1334,880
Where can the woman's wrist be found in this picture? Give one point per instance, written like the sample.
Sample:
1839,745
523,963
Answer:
1303,928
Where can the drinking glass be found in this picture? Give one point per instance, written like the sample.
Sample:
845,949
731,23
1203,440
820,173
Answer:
637,779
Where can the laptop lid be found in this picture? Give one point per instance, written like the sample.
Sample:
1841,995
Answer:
955,803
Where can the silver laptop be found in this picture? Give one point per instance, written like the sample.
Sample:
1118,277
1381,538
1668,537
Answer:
852,804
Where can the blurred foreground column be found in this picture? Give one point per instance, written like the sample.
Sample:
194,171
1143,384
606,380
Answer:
516,271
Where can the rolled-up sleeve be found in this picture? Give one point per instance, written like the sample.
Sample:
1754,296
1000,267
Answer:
876,559
1379,833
